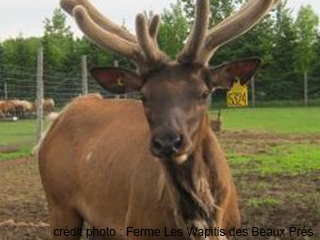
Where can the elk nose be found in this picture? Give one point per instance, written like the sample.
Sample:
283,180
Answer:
167,146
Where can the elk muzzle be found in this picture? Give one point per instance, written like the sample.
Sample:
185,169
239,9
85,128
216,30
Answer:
169,145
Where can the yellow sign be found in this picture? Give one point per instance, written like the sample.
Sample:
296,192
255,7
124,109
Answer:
238,95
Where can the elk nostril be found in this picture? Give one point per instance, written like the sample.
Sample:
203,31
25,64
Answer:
177,143
157,145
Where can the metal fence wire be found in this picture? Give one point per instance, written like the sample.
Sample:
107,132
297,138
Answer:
19,91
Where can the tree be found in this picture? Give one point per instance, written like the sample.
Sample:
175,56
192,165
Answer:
278,77
219,9
173,30
307,28
20,51
57,42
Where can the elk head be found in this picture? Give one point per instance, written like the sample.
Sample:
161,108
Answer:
174,93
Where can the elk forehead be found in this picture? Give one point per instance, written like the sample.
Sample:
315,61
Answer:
173,92
174,105
174,83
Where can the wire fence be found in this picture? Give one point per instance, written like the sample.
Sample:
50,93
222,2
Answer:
19,91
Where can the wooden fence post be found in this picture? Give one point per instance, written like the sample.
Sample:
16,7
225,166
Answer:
84,75
306,91
39,93
253,92
5,90
116,64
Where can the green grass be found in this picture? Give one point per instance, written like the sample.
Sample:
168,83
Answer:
20,153
287,159
293,159
17,133
278,120
301,120
262,201
18,136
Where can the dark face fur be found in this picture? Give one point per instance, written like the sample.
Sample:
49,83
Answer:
175,104
174,98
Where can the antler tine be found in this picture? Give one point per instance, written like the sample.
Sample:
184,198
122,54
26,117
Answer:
198,33
146,42
103,38
235,26
98,18
154,27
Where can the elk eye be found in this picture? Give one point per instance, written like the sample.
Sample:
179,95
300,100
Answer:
205,94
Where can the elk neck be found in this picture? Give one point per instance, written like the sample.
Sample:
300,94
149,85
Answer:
191,182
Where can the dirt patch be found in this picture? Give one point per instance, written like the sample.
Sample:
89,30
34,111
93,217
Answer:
23,209
14,162
296,203
8,149
252,143
268,201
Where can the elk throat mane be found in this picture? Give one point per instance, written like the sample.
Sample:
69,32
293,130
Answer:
192,191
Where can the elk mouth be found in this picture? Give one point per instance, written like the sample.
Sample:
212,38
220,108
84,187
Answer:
170,149
181,159
178,159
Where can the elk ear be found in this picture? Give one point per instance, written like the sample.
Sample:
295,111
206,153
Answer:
225,75
117,80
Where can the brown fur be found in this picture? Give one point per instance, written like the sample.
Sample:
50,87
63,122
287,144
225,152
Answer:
90,172
153,164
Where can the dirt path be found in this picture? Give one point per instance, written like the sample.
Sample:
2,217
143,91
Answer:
266,201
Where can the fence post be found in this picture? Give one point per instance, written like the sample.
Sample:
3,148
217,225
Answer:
209,101
116,64
40,93
84,75
253,92
5,90
306,97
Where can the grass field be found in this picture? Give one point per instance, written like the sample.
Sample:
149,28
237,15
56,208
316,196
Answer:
277,120
21,133
274,154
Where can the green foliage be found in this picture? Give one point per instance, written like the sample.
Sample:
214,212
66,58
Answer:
307,25
20,52
288,47
278,78
173,30
57,41
220,9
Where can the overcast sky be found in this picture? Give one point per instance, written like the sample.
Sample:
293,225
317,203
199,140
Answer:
26,16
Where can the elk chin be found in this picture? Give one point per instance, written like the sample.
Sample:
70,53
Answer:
181,159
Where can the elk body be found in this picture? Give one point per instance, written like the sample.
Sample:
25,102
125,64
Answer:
150,164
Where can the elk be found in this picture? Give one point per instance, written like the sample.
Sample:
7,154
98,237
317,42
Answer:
154,163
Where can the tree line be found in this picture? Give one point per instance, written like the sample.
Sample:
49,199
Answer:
288,45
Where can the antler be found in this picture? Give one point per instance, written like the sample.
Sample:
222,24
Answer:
143,49
235,25
198,33
228,29
98,18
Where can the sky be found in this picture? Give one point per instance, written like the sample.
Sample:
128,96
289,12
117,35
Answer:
25,17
